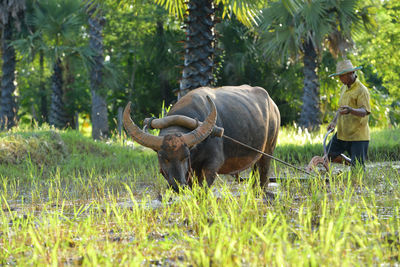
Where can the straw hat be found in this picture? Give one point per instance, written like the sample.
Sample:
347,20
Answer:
343,67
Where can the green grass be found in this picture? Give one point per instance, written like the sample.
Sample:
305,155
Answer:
80,202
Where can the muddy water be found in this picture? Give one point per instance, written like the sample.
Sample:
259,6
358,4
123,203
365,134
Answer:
236,188
154,196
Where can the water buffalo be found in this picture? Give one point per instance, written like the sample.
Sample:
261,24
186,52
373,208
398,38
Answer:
186,150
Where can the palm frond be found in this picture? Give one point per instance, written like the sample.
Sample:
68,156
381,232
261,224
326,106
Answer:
313,12
246,11
59,18
174,7
367,14
29,46
275,14
292,6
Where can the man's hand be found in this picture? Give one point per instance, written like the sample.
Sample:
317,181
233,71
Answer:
331,126
360,112
343,110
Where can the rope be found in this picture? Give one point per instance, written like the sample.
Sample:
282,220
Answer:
265,154
148,125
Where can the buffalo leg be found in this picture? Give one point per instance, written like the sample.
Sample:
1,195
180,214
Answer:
207,164
264,163
205,176
263,167
208,172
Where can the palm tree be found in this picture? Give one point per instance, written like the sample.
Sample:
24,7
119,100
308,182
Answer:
301,32
200,35
11,13
58,25
99,105
29,44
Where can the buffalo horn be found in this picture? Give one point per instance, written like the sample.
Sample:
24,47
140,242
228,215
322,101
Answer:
180,120
173,120
137,134
204,130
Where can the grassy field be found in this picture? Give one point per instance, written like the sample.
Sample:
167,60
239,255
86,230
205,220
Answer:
67,200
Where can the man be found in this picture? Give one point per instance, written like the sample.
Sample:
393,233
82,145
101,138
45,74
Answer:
351,118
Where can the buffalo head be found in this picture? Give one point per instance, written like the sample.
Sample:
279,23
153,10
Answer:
173,149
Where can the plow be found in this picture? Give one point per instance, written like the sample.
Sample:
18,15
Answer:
324,160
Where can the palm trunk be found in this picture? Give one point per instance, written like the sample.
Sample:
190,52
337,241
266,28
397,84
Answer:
310,112
132,63
162,77
99,104
68,84
42,90
199,46
8,105
58,117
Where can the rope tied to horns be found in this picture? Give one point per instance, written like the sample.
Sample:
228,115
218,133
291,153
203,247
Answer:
147,126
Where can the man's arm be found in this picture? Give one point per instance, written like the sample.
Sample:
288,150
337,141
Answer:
360,112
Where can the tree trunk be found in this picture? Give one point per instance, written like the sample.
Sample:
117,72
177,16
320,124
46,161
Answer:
58,116
68,84
310,113
132,62
42,90
99,104
165,88
8,105
199,46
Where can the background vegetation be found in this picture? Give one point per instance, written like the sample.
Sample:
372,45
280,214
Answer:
142,49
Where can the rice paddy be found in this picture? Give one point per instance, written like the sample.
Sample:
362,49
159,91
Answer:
67,200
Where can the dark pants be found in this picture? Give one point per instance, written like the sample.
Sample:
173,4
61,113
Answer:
357,149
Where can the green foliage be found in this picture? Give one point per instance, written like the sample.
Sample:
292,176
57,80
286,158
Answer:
286,32
378,53
143,49
244,10
241,62
147,57
380,49
54,29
